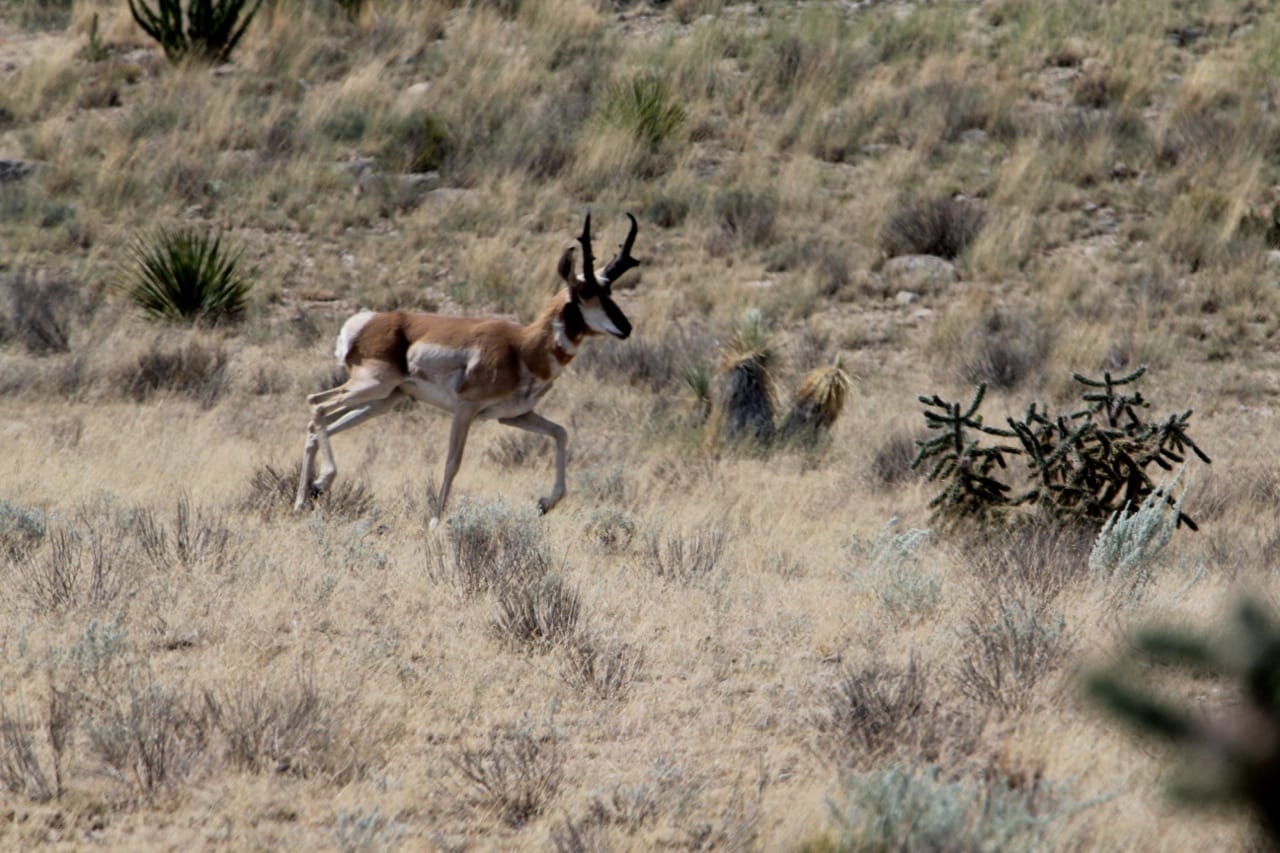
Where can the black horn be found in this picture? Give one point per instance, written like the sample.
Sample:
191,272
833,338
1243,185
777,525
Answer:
589,282
622,261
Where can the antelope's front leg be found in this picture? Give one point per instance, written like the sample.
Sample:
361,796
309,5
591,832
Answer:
534,422
463,415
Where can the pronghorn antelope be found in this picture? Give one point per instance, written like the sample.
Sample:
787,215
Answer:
484,367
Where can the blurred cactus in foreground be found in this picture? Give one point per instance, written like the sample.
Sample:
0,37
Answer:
1232,757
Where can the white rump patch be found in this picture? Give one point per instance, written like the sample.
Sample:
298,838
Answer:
347,337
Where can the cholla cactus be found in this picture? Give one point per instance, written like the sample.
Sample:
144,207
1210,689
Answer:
1233,756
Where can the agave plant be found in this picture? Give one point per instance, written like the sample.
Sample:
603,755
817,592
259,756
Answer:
188,275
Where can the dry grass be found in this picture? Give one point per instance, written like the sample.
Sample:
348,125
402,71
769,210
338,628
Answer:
687,651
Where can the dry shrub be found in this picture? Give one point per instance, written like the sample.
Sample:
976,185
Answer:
22,772
271,491
537,616
891,464
601,667
746,217
655,363
1000,347
492,547
1030,561
517,773
687,556
879,712
37,311
295,729
1008,649
152,737
194,370
942,226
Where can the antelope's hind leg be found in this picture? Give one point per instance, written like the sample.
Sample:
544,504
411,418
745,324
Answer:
355,401
534,422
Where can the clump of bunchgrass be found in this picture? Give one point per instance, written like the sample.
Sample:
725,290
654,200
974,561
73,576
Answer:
271,490
538,615
187,275
645,107
942,226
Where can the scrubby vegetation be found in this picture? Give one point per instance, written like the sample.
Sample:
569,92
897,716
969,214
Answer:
746,626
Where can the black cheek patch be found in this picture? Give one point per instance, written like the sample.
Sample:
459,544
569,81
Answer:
615,315
575,325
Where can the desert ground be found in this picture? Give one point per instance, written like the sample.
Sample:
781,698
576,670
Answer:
712,642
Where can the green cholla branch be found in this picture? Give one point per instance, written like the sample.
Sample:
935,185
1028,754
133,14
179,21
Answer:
213,27
1086,466
1225,762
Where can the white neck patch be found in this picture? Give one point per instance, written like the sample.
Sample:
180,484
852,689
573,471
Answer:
563,343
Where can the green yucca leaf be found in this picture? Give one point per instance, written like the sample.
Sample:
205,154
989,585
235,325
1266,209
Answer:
187,275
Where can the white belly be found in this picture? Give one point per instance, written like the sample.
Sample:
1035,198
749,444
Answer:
436,373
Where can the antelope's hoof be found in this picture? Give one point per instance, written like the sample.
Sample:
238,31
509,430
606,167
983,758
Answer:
544,506
434,525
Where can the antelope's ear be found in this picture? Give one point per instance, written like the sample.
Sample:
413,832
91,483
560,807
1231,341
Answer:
565,267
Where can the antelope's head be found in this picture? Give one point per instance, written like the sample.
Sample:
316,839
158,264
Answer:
591,309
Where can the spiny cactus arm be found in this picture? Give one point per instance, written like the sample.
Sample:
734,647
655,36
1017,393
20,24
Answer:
977,400
165,26
1140,708
235,37
1178,648
1107,381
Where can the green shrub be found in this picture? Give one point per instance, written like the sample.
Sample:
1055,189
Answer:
419,143
917,809
494,547
1127,545
212,30
188,275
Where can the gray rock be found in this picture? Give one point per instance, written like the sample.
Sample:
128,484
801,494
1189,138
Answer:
919,273
15,170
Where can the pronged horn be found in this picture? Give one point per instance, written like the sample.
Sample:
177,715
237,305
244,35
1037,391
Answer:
590,284
622,261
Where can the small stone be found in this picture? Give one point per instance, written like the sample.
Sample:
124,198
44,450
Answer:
919,273
907,297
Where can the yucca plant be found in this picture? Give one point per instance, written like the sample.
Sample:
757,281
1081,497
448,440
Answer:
213,27
188,275
818,402
746,393
644,106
